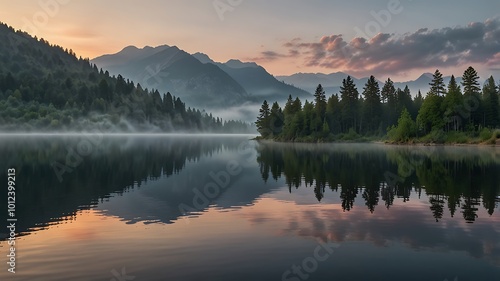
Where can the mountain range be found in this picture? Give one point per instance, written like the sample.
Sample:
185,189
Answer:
170,69
332,82
197,79
233,89
256,80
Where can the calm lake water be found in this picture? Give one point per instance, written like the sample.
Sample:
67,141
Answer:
226,208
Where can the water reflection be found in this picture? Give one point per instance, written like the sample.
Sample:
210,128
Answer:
120,208
114,167
458,178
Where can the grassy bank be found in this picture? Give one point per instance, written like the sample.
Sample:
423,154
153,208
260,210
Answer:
484,137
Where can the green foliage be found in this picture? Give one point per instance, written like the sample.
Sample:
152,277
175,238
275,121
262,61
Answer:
372,108
351,135
456,137
405,129
430,115
491,102
446,176
442,116
437,84
485,134
263,121
437,136
320,102
349,105
451,106
46,87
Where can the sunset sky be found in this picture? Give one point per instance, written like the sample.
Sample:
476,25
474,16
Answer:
400,39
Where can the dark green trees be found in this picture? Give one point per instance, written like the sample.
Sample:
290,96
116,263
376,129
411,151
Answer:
490,102
263,121
388,95
405,129
349,105
372,108
320,101
52,89
437,84
431,114
473,107
348,116
318,118
451,106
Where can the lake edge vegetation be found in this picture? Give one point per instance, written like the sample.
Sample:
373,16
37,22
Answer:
447,114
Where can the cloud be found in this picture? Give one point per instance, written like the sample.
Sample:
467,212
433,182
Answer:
267,56
385,53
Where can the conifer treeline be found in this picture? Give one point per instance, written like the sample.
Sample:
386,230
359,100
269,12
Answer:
44,86
387,111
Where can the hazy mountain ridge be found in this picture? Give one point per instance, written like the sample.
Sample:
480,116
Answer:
256,80
44,87
332,82
171,69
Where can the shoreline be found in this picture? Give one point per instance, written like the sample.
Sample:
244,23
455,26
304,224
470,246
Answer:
416,144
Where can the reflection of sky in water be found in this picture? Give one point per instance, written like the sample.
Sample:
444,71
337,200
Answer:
256,231
261,241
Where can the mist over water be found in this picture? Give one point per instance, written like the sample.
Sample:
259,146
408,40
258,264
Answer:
123,196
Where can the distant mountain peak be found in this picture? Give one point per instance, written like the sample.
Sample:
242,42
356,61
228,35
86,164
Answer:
233,63
130,48
203,58
427,75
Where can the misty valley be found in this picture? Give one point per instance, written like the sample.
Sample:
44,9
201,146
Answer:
251,163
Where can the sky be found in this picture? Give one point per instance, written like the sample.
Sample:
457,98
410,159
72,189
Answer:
387,38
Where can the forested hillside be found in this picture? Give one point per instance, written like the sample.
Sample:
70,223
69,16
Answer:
451,113
45,87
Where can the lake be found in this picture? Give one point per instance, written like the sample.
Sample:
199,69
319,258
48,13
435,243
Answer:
193,207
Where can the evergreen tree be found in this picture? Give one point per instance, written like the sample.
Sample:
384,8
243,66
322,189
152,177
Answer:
437,84
288,106
388,90
168,103
308,114
333,114
320,102
405,129
470,82
452,104
388,95
349,103
276,119
417,102
491,106
263,121
430,115
372,109
290,114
